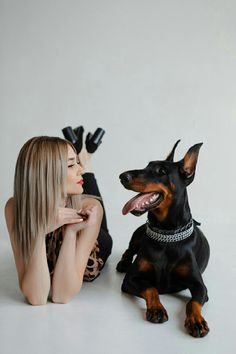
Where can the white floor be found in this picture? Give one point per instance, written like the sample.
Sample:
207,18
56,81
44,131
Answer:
103,320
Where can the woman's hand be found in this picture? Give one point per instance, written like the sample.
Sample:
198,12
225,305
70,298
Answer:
75,220
88,217
65,216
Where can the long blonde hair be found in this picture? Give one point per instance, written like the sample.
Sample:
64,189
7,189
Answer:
39,188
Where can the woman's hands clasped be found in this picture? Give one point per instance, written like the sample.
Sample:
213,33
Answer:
88,217
73,219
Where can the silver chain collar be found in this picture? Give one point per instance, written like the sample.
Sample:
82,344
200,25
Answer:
172,235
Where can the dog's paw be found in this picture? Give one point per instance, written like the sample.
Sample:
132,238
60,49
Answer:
157,315
123,266
196,326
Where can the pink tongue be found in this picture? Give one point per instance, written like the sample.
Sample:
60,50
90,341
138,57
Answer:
135,202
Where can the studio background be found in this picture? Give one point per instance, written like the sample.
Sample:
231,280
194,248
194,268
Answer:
149,73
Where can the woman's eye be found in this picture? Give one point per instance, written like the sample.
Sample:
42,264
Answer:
77,163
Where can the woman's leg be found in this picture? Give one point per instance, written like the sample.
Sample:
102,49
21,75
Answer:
105,245
91,188
104,238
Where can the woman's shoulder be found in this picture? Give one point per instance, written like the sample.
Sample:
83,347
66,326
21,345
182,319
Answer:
88,201
9,206
9,203
9,214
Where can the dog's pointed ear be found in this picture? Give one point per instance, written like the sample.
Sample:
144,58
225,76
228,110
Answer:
170,157
189,162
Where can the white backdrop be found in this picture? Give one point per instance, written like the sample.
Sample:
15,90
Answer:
148,72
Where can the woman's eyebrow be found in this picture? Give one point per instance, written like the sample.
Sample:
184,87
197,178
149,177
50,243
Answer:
71,159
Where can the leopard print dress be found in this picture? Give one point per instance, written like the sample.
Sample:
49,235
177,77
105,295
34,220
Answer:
53,245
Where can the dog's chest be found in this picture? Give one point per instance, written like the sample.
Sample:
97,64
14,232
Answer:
163,257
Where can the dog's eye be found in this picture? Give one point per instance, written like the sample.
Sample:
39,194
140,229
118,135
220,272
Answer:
162,171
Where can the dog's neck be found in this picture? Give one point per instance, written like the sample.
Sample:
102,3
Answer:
169,236
178,215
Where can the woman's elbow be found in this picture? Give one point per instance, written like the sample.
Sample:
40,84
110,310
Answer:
65,297
34,299
37,302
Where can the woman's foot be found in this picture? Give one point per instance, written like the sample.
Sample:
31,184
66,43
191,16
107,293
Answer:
85,160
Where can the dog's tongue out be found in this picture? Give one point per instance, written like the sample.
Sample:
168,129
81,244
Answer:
137,202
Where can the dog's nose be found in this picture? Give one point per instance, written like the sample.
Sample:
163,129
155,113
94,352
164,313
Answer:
126,177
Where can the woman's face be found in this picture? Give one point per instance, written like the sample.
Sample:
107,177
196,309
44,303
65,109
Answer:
74,175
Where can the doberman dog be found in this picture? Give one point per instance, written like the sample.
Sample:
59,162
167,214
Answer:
172,252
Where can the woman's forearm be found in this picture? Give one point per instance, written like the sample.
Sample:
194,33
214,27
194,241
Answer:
65,281
35,283
72,260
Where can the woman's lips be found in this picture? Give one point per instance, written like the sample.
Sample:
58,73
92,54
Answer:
81,182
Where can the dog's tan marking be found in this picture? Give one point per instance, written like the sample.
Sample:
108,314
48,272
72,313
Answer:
152,298
140,187
182,269
195,323
163,208
190,161
194,309
144,265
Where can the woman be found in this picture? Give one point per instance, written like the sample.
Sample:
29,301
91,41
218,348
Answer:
58,236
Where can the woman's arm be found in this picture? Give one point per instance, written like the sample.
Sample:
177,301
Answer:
34,279
77,244
35,283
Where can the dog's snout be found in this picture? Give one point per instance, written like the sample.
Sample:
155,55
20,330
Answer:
126,177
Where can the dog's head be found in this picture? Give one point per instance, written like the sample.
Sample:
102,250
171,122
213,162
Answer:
160,183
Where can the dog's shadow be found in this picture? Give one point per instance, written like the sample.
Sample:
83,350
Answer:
179,314
137,303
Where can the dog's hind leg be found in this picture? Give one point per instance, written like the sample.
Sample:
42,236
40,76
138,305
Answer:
134,246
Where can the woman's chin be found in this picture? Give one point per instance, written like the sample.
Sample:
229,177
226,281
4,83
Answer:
76,191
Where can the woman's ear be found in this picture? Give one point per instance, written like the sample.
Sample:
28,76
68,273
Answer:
189,162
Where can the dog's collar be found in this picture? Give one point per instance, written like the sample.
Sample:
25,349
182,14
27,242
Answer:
176,235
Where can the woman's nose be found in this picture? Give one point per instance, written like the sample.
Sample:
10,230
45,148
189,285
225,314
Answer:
80,170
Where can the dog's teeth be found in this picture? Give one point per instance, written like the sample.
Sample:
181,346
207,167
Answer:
143,205
154,198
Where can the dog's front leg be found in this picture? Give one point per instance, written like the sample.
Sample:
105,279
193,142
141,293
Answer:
156,312
195,323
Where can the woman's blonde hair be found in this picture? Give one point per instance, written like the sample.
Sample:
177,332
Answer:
39,188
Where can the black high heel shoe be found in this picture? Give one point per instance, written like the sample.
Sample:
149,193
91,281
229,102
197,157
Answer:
79,131
93,141
74,136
